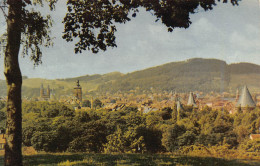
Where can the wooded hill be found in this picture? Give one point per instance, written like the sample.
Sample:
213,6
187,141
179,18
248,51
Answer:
191,75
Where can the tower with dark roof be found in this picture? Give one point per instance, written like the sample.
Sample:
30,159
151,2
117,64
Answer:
245,99
78,91
44,95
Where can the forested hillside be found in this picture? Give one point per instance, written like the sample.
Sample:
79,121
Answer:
195,74
192,75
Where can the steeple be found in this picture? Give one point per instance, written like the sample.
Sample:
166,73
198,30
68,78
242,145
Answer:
245,99
44,93
77,84
191,101
78,91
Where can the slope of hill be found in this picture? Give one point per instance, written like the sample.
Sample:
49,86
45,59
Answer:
244,68
245,73
190,75
31,87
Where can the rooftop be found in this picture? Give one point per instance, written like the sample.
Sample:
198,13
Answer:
245,99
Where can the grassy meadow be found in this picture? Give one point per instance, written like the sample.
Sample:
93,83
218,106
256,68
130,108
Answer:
128,159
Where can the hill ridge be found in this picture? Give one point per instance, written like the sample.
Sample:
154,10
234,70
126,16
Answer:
196,74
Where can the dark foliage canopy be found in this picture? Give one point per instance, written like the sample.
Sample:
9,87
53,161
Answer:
35,27
93,22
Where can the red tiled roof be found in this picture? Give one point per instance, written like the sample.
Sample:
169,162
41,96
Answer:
254,136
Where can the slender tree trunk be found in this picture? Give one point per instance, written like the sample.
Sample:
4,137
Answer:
13,153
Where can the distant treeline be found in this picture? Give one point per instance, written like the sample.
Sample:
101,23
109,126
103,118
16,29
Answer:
54,127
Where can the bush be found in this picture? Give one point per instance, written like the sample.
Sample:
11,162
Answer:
251,145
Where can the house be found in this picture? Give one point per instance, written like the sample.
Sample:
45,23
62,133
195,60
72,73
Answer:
254,136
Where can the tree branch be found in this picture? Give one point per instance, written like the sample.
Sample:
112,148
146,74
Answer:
5,15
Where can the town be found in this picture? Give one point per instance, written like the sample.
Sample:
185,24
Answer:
155,101
129,82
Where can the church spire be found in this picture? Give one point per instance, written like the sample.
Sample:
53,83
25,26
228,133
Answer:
78,91
245,99
191,101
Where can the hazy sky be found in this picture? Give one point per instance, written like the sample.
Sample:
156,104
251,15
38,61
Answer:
228,33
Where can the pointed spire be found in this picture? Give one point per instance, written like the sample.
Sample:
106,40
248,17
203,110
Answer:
245,99
191,101
77,83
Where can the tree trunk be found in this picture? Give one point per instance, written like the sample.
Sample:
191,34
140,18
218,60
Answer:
13,153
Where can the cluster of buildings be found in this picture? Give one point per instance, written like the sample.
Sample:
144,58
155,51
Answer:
242,102
48,95
155,101
198,100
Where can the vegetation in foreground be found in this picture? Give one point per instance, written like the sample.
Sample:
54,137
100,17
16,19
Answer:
207,136
129,159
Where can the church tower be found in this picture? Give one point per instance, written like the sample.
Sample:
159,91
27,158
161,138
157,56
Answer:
45,94
78,91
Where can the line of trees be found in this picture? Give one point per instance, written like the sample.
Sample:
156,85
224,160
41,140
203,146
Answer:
54,127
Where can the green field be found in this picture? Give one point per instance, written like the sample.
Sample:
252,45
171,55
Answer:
128,159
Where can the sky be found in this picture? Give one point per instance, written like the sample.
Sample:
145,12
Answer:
228,33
